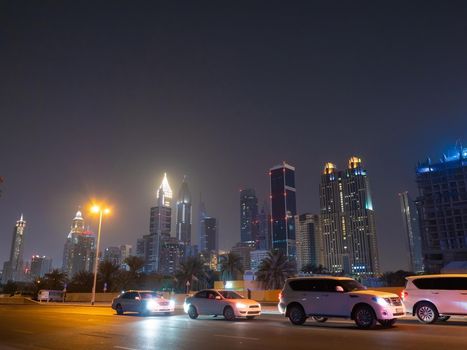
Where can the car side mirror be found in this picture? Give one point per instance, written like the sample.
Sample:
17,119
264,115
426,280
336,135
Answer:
339,289
218,297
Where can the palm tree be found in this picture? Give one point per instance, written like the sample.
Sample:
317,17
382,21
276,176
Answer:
274,270
107,272
82,281
231,266
54,280
191,270
135,263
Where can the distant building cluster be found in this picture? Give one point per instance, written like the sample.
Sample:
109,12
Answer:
340,239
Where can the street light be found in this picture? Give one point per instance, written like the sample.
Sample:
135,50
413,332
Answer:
97,209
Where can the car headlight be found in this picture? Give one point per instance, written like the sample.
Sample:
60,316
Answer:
240,306
381,301
151,305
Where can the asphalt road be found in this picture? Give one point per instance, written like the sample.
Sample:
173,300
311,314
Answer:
88,328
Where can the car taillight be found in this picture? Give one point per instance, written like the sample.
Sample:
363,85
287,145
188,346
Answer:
404,295
280,295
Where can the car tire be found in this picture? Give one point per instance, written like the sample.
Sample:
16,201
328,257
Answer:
119,309
320,319
364,317
229,314
426,313
297,315
443,318
387,323
192,313
250,317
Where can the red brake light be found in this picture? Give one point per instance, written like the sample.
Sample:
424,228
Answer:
404,294
280,295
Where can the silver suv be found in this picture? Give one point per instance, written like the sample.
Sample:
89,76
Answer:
436,297
323,297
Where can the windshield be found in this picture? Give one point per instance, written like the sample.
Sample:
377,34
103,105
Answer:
150,295
351,285
230,295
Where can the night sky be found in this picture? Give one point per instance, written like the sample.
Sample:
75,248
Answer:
99,100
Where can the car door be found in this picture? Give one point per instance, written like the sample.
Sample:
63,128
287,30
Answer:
199,301
305,292
214,306
129,303
455,295
333,302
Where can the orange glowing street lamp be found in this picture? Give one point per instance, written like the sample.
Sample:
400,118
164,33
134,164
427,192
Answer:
101,210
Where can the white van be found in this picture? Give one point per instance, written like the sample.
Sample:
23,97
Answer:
51,295
436,297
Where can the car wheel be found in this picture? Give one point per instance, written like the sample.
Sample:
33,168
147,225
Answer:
320,319
297,315
229,314
443,318
426,313
387,323
192,312
250,317
119,309
364,317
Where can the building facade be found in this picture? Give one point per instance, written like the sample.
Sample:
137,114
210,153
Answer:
183,222
347,220
13,268
80,248
412,232
283,208
308,240
248,215
264,228
442,208
40,265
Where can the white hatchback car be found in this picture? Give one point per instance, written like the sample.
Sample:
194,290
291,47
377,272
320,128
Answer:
323,297
436,297
221,302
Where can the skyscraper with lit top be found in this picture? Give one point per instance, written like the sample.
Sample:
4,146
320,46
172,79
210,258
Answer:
13,268
283,208
442,208
347,220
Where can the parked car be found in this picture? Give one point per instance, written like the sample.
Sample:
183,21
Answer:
436,297
221,302
51,295
324,297
142,301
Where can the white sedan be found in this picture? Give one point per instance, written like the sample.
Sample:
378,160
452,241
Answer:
221,302
142,301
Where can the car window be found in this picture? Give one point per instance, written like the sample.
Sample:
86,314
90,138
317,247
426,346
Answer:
129,295
212,295
308,285
230,295
150,295
202,294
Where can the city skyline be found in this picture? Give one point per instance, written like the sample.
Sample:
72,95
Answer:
101,110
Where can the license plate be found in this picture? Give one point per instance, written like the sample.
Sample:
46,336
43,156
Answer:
399,310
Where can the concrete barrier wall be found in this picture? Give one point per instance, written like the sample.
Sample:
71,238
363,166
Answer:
15,301
86,297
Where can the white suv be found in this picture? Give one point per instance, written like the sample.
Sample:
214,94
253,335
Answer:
323,297
436,297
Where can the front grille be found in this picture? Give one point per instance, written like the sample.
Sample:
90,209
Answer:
396,301
254,306
163,303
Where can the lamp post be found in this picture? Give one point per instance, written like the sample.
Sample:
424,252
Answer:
97,210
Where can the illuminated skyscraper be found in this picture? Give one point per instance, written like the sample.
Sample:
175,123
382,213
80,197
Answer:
184,214
347,220
412,232
80,248
442,206
283,208
40,265
264,228
160,224
13,268
248,216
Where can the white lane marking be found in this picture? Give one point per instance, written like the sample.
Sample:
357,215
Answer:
123,348
235,337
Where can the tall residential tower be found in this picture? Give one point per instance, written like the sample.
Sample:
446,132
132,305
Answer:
248,216
347,220
13,268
